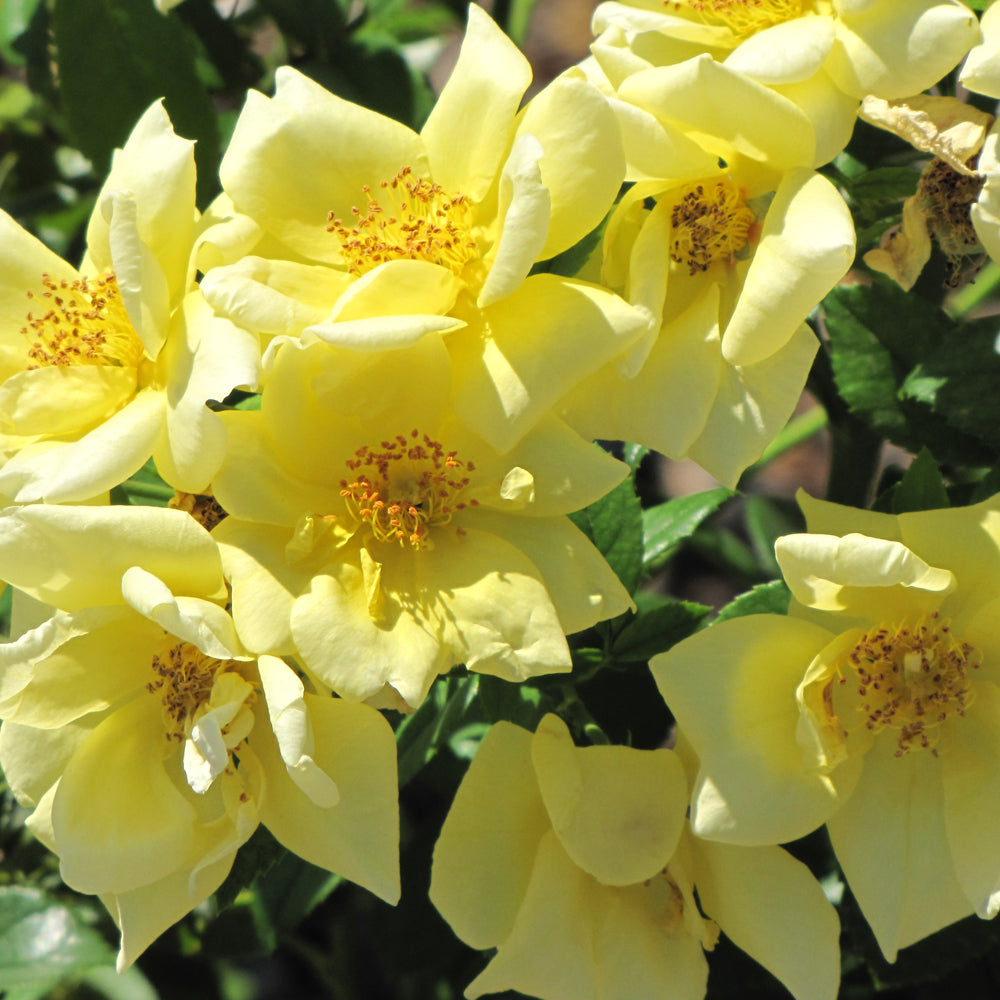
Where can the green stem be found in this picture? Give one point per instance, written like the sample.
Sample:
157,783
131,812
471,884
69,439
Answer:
856,448
797,430
975,293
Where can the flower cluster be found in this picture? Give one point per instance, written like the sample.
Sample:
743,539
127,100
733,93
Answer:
374,383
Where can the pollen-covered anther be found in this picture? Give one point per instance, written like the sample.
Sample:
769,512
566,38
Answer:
404,487
742,17
912,678
407,218
183,679
80,322
710,222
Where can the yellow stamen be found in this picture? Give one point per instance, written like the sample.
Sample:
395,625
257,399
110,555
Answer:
405,487
408,219
84,323
710,222
742,17
183,678
912,678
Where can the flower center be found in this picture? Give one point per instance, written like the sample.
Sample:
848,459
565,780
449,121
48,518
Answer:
405,487
710,222
184,678
911,678
84,323
742,17
407,219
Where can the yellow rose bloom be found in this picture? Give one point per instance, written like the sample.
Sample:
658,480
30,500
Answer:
381,543
151,743
379,236
104,366
729,241
577,865
889,48
873,707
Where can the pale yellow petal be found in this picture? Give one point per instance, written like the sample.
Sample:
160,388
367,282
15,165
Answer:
860,576
60,400
579,582
293,731
358,836
806,247
119,820
143,914
304,153
156,168
79,673
618,812
769,905
274,296
339,639
524,209
754,402
398,288
891,842
32,759
505,384
575,939
583,163
732,690
787,52
485,853
705,95
264,586
981,72
469,131
99,460
190,619
970,776
499,618
49,552
23,261
892,50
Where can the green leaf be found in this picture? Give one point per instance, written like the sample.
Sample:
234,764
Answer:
764,599
921,487
127,49
508,701
633,454
885,183
614,525
731,555
15,17
43,941
144,489
260,853
419,736
958,380
878,335
113,985
656,630
571,262
767,519
665,526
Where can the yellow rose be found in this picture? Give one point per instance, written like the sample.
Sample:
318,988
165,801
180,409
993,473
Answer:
151,743
873,707
577,865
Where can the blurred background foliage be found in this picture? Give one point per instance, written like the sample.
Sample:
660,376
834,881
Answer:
911,370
